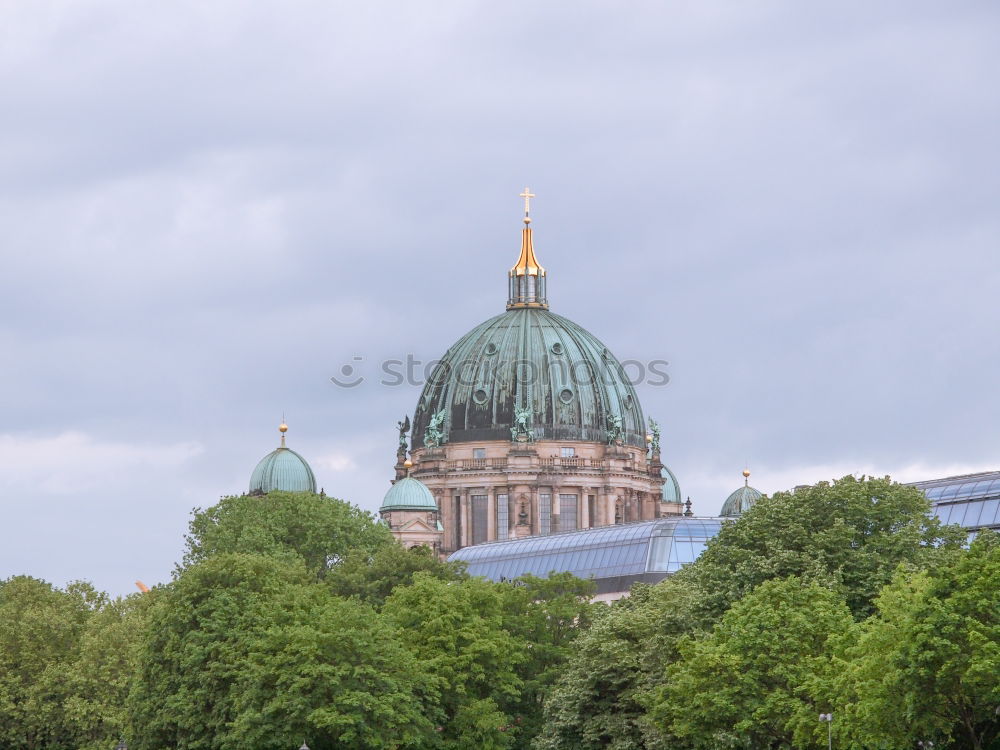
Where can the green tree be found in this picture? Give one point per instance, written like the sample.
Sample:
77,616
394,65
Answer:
598,699
547,614
330,670
318,529
744,685
100,678
250,651
851,535
202,628
372,576
47,635
927,665
853,532
457,630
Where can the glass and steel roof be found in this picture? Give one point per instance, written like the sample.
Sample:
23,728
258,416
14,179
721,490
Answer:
971,500
647,547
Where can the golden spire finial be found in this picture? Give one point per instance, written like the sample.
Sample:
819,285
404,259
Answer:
282,428
746,476
527,195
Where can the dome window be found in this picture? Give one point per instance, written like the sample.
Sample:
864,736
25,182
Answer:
491,348
566,395
556,348
480,396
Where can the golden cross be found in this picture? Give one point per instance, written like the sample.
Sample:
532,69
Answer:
527,195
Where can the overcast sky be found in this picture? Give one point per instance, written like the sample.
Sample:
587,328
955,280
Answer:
206,209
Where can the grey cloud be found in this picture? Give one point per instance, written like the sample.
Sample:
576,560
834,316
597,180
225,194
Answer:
208,209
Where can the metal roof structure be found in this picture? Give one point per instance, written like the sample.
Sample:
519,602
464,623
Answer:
618,556
408,494
671,491
969,500
614,556
740,501
282,469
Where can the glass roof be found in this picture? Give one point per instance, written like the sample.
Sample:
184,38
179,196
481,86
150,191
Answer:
968,487
660,546
972,501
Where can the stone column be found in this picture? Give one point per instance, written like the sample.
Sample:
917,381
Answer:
491,513
466,519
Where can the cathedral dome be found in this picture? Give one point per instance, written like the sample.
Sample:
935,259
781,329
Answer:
282,469
529,357
408,494
740,501
671,491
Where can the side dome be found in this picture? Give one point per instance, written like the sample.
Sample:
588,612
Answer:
282,469
408,494
671,490
530,357
741,500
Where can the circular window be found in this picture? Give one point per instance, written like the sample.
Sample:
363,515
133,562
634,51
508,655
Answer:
566,395
491,348
480,396
556,348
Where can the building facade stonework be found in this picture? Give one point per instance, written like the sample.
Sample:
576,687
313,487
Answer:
495,490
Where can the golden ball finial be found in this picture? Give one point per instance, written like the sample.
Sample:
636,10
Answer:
282,427
746,473
407,464
649,438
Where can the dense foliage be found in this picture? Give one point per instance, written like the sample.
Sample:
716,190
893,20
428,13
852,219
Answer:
296,617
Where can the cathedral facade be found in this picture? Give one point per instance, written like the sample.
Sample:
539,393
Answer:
529,426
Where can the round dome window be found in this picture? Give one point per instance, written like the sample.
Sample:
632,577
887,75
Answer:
566,395
491,348
480,396
556,348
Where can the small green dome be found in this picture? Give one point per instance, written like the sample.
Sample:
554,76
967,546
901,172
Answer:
740,501
408,494
671,490
282,469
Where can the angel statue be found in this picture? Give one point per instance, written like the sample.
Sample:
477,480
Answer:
654,430
404,428
615,430
433,436
521,431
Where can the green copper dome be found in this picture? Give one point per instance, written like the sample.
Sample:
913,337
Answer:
564,382
282,469
408,494
671,490
740,501
529,357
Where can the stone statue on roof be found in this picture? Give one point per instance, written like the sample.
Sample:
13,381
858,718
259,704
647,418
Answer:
654,431
616,432
521,431
433,435
404,429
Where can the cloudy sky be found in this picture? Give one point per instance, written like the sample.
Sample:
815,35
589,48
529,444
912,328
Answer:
207,209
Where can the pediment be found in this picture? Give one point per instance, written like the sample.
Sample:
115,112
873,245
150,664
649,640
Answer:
417,524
